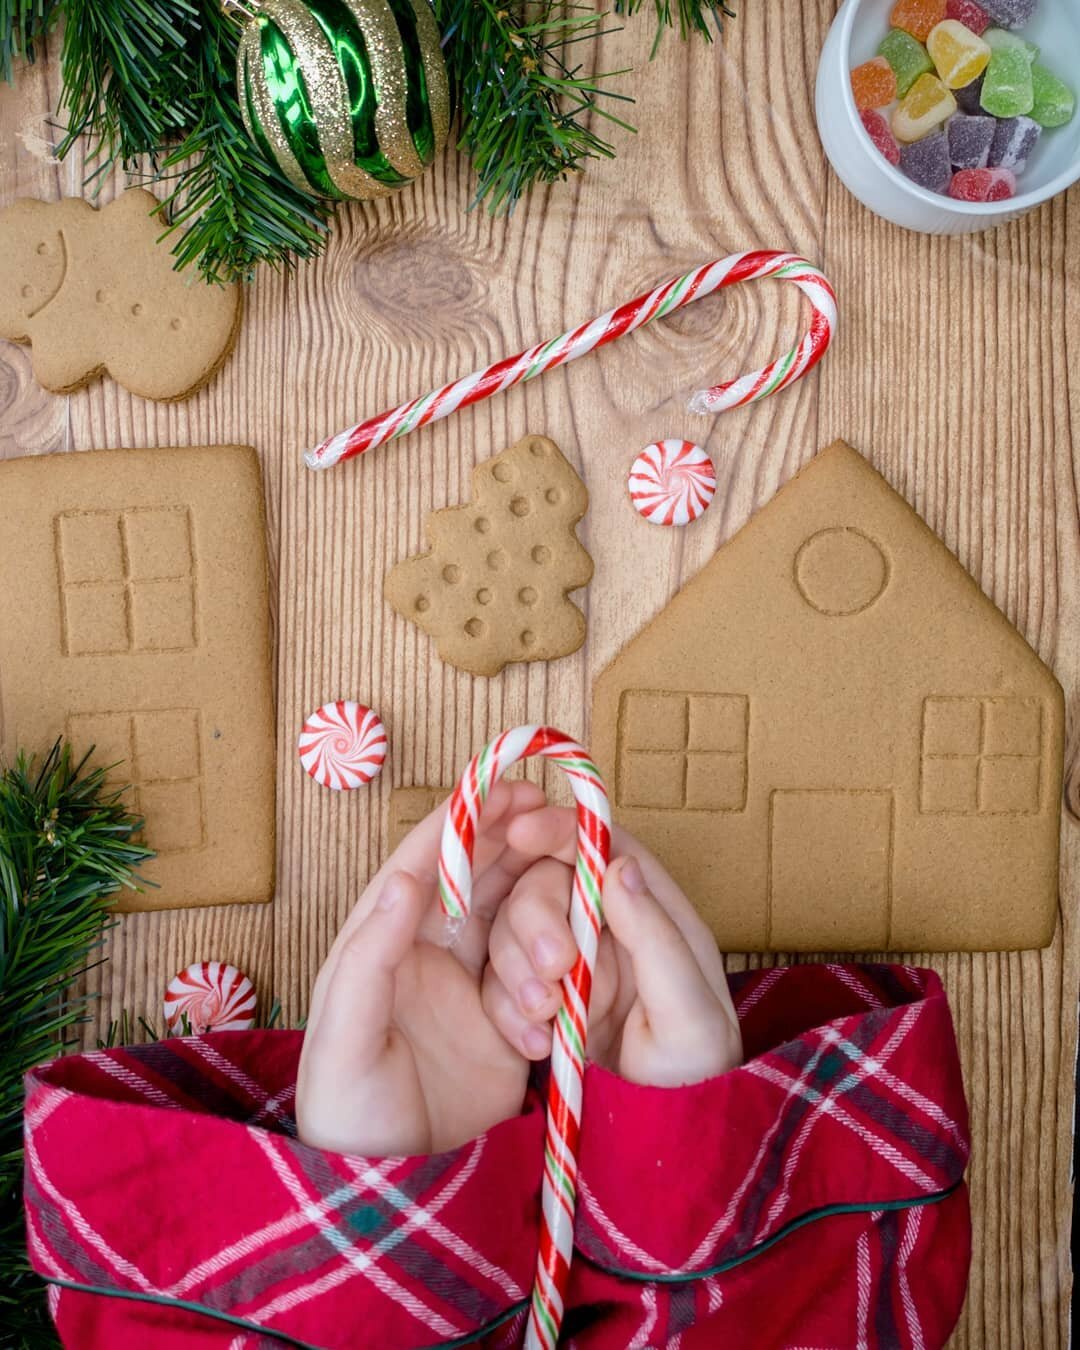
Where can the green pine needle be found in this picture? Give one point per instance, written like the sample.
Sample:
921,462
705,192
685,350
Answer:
23,23
66,845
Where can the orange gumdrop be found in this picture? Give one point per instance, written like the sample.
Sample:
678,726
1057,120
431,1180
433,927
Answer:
917,17
873,84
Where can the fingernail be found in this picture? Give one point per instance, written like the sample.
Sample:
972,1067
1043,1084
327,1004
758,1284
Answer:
535,1041
631,877
533,994
545,952
390,894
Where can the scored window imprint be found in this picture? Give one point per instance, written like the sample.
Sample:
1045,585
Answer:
127,581
980,756
159,754
682,752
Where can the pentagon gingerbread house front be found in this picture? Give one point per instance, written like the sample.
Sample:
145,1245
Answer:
835,741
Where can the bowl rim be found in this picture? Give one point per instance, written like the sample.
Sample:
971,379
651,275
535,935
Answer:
938,200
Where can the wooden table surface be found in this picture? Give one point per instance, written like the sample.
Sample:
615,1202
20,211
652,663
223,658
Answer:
957,372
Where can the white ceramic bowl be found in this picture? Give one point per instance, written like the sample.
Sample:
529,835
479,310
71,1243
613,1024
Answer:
854,38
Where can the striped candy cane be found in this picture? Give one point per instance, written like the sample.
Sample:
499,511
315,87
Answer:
559,1191
665,299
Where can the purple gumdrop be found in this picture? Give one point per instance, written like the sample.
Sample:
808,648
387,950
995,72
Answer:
969,140
1014,140
1010,13
968,99
927,162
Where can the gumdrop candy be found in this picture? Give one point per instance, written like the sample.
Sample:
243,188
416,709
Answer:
873,84
908,58
1001,37
958,54
925,106
1010,13
968,99
917,17
970,14
983,185
878,131
926,162
1008,89
1054,102
1014,140
970,139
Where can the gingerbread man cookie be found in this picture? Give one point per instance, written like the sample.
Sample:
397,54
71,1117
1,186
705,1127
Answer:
94,292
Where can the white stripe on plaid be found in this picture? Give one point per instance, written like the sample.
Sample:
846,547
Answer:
642,1336
744,1002
247,1246
269,1107
862,1289
857,983
373,1178
864,1067
74,1216
364,1263
912,1221
105,1061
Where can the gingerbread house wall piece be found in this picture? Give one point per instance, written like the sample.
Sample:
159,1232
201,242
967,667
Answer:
835,741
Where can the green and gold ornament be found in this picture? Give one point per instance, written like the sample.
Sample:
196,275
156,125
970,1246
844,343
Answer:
348,97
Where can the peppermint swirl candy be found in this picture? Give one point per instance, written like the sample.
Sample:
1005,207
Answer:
209,996
672,482
343,745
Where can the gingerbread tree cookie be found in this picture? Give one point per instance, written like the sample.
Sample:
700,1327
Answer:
95,292
494,588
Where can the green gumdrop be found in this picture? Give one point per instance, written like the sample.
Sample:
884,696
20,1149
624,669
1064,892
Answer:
1008,89
907,56
1055,102
1001,37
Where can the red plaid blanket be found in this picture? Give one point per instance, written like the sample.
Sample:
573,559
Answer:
811,1199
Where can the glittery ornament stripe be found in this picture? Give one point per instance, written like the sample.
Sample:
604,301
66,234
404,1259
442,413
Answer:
665,299
559,1189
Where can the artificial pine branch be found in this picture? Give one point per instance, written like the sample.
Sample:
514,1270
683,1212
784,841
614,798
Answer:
23,23
66,845
692,16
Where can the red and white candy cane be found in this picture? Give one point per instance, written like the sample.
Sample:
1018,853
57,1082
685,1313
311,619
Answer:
559,1191
665,299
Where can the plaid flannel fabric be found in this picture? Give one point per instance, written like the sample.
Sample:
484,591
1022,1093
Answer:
812,1198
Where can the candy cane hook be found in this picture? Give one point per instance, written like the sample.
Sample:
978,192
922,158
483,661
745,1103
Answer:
559,1188
665,299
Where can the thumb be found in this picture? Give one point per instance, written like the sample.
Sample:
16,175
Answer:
359,1005
669,980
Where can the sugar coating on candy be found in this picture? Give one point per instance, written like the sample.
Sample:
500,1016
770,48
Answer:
873,84
1014,140
983,185
878,131
917,17
1008,89
1054,102
343,745
959,55
968,99
926,162
909,59
970,139
925,106
996,38
1011,13
970,14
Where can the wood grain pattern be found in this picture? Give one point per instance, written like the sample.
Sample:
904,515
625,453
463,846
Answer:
957,371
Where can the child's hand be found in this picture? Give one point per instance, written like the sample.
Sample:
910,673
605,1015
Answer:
660,1013
400,1056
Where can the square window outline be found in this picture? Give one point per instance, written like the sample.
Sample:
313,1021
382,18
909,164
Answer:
1012,810
83,588
1036,703
668,696
195,716
972,762
197,784
133,591
58,534
938,699
189,533
983,756
624,751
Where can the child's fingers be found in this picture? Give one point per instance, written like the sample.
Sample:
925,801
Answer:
669,980
530,945
358,998
532,1039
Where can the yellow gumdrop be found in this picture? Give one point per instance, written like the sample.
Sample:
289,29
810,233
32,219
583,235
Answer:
959,54
925,106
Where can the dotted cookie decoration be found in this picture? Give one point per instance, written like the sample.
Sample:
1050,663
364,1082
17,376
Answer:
494,588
